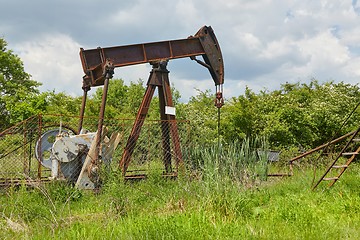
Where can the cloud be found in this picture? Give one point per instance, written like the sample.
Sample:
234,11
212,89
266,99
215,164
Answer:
264,43
54,61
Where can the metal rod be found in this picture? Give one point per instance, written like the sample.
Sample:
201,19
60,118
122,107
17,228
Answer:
165,131
38,150
82,109
339,155
25,164
348,162
30,151
321,147
101,120
218,137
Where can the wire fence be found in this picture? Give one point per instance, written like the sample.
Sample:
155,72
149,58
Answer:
31,150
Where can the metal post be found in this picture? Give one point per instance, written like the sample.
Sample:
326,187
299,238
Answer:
140,118
171,124
82,109
165,132
108,72
38,149
101,121
25,163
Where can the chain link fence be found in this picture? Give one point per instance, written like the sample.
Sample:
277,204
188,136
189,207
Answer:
27,149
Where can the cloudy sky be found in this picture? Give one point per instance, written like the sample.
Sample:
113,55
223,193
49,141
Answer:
264,43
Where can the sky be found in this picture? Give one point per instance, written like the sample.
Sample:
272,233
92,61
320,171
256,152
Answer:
265,43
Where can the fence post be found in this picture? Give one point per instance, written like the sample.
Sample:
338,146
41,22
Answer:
25,164
39,153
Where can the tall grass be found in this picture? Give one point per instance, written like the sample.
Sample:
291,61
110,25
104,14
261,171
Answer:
240,162
211,204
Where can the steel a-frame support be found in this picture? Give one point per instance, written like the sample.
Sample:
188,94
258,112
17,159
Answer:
159,77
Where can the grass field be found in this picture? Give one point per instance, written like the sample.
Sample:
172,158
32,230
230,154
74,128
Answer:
214,206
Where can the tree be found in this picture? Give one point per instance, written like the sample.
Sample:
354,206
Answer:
17,91
304,115
241,116
122,100
202,114
61,103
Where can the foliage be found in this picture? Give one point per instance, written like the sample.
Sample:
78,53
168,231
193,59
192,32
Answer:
202,114
61,103
301,115
243,117
122,100
18,93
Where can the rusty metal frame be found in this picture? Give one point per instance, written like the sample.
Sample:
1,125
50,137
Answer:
309,152
97,63
158,79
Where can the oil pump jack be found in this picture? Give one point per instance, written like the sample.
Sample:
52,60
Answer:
99,64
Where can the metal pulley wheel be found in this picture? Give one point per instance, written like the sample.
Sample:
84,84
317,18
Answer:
44,144
71,152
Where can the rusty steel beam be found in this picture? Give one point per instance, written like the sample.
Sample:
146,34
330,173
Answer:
136,129
168,123
204,43
321,147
